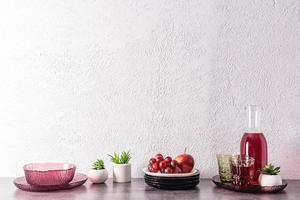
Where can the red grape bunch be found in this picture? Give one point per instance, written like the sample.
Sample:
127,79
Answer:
164,165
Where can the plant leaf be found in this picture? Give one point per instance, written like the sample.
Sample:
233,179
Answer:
122,158
270,170
98,164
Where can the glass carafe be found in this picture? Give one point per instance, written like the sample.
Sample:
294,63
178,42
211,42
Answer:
254,143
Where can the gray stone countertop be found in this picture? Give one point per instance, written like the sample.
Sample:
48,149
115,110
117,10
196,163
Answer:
137,189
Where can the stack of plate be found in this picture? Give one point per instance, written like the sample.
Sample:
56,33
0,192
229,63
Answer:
181,181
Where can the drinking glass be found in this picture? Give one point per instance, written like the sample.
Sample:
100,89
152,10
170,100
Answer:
242,169
224,167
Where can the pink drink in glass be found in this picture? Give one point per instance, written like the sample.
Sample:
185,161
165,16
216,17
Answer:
242,169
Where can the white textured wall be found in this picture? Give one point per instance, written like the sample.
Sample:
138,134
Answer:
82,78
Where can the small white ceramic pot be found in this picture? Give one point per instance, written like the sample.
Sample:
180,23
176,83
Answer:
121,173
269,180
98,175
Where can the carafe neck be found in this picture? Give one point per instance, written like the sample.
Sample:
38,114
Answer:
253,114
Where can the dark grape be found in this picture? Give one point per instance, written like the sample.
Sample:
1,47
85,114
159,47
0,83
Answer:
168,159
158,155
159,159
152,160
168,170
155,166
163,165
150,168
177,170
173,164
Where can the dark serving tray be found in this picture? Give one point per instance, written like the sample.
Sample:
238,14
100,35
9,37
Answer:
250,189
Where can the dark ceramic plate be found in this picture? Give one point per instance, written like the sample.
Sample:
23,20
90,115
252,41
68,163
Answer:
173,183
168,175
173,178
171,186
22,184
250,189
194,176
192,179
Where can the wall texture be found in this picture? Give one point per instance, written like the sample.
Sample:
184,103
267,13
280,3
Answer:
80,79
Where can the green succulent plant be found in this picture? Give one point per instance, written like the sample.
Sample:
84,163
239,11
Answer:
270,170
122,158
98,164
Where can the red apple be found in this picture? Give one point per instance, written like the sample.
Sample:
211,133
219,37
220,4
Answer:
185,162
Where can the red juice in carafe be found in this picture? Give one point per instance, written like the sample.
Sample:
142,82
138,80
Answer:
255,146
253,142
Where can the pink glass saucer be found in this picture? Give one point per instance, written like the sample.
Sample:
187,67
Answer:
22,184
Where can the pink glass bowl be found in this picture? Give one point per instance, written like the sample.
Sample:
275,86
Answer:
40,174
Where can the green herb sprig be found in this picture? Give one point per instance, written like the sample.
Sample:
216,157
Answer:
270,170
98,165
122,158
